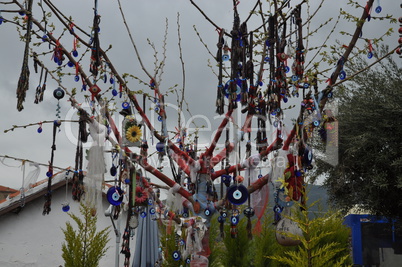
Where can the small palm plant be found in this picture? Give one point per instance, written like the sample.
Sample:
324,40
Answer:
84,246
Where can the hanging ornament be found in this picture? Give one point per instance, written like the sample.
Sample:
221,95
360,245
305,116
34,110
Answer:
131,131
378,9
115,195
370,48
95,90
58,94
39,130
237,194
76,77
176,255
226,49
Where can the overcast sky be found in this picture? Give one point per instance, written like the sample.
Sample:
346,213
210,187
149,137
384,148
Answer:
147,20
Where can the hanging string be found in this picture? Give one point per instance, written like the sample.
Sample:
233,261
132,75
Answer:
219,58
95,55
39,91
23,82
78,179
22,189
49,174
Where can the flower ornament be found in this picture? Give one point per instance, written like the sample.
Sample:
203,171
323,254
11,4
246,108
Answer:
283,185
133,134
140,195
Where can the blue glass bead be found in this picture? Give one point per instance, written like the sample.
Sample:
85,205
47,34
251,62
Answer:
378,9
76,78
66,208
75,53
70,64
369,55
342,75
114,92
111,80
39,130
125,105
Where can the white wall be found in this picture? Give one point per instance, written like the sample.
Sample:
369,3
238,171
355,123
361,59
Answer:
31,239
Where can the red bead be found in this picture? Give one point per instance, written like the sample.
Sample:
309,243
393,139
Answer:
398,51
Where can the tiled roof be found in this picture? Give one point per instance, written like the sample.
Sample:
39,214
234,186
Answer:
36,190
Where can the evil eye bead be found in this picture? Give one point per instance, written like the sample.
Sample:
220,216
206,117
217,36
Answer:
181,242
275,124
84,87
287,69
225,57
150,201
266,59
1,20
114,92
159,118
259,176
176,255
369,55
185,214
378,9
75,53
295,78
39,130
207,212
49,174
76,78
44,38
143,214
114,196
224,214
234,220
278,209
70,64
342,75
152,211
316,123
111,80
65,208
58,93
160,147
125,105
188,260
285,99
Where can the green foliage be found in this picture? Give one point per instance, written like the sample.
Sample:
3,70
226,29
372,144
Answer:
169,242
369,173
84,246
237,252
265,244
324,242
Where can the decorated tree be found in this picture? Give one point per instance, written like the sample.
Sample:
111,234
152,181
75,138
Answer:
265,68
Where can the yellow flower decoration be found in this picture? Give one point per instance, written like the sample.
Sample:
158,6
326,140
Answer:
133,134
284,185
